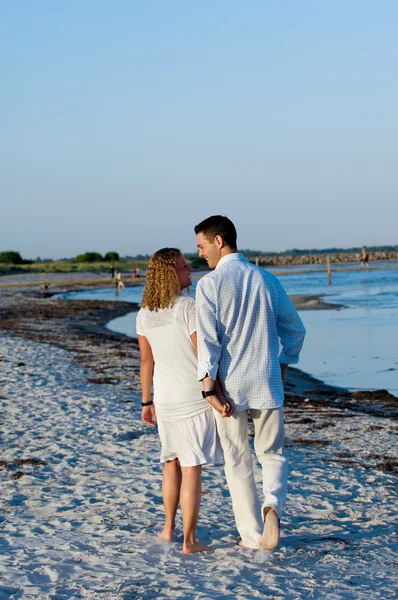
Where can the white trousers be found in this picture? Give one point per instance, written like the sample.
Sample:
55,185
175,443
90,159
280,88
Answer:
238,463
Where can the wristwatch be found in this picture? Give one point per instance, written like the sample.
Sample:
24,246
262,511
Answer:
209,393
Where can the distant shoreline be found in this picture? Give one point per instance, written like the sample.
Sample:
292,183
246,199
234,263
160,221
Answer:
126,266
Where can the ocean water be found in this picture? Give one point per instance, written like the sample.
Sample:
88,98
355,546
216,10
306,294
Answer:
355,347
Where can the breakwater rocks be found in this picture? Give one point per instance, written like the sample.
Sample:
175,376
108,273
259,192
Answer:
320,259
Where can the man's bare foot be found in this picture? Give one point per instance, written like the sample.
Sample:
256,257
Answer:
270,537
166,534
195,547
239,542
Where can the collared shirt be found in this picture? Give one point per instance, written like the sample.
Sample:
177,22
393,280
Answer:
243,315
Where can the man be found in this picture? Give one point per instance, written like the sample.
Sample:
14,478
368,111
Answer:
242,314
364,257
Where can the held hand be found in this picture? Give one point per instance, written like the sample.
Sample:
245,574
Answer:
148,415
224,408
229,408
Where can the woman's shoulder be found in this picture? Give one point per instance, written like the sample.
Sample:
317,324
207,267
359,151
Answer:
140,321
144,313
184,308
141,312
186,302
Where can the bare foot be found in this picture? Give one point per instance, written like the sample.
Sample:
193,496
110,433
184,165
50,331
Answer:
166,534
270,537
239,542
195,547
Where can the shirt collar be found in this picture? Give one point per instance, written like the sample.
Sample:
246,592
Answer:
231,257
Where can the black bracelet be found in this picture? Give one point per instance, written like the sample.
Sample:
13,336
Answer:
147,403
209,393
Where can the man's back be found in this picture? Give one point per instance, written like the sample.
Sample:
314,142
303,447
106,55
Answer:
242,312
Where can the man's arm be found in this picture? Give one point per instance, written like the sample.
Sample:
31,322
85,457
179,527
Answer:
283,371
209,348
291,330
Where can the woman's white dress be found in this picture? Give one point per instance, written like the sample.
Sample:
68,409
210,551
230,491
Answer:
186,423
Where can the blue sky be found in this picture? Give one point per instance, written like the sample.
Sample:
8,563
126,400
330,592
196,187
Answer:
125,123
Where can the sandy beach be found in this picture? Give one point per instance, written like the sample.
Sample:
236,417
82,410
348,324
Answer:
81,479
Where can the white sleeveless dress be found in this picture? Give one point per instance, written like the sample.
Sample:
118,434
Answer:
186,423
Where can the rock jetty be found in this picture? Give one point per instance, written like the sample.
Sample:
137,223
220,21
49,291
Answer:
320,259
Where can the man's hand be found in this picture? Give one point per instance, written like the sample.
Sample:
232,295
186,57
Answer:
221,405
229,408
148,415
283,371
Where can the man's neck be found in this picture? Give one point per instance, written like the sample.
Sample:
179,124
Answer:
227,250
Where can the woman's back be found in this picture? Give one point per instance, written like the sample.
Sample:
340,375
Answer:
177,392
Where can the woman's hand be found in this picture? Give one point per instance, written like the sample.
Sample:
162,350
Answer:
229,408
148,415
221,405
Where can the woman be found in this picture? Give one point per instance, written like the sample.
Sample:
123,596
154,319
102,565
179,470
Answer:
166,332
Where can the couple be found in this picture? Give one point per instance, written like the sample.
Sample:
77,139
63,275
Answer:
222,354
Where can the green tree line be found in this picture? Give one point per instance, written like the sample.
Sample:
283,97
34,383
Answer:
11,257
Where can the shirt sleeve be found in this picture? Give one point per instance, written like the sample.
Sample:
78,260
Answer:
290,328
209,347
191,315
138,324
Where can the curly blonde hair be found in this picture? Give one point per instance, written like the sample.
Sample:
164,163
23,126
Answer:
161,285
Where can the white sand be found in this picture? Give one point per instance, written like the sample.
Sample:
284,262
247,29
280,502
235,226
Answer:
84,524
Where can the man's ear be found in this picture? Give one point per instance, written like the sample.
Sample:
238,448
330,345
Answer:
219,241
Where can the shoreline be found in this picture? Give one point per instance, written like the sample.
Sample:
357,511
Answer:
80,326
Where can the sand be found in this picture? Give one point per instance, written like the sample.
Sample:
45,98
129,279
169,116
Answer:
80,479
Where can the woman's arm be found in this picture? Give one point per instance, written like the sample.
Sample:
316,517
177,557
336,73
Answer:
194,340
218,402
148,414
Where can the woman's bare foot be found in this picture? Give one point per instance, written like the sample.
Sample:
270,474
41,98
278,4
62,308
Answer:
195,547
166,534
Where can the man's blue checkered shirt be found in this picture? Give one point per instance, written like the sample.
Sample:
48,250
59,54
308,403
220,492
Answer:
243,316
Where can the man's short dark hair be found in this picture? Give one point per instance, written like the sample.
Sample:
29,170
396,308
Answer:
218,225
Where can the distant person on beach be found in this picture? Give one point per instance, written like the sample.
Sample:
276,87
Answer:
243,313
364,257
166,329
119,279
118,282
112,271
